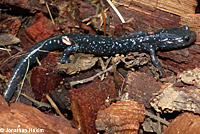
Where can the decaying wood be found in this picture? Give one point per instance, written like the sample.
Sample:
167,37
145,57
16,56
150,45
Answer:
177,7
86,101
186,123
141,87
180,96
36,4
23,119
122,117
151,15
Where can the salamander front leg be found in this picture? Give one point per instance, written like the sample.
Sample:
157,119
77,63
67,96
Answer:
155,61
65,55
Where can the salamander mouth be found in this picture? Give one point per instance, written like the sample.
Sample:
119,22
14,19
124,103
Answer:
191,39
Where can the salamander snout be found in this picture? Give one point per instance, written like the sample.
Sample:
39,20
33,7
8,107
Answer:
189,39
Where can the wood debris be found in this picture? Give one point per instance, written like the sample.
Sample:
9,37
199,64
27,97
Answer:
186,123
86,101
122,117
179,96
22,119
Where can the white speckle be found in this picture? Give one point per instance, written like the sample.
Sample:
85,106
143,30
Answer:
165,39
134,42
125,43
146,38
50,42
54,40
169,42
180,40
113,45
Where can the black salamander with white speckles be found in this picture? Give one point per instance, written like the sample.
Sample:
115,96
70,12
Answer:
149,42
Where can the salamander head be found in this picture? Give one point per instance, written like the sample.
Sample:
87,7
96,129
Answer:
175,38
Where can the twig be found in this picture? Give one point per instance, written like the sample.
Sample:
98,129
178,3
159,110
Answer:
116,11
11,57
50,13
5,49
37,103
104,22
91,78
54,106
157,118
38,61
94,16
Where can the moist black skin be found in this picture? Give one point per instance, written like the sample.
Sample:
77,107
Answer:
148,42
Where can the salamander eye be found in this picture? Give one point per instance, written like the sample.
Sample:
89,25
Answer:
186,38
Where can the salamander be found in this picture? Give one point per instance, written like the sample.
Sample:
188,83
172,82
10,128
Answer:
148,42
